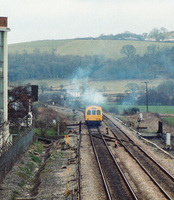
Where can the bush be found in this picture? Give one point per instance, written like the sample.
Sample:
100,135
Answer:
131,111
113,110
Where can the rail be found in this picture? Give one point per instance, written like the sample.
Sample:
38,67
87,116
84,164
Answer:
169,175
99,165
145,140
122,184
121,172
141,149
79,165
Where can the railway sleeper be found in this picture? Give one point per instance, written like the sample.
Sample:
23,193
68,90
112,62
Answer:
96,136
72,161
112,139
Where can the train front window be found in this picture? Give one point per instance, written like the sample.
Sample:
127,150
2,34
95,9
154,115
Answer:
89,112
93,112
98,112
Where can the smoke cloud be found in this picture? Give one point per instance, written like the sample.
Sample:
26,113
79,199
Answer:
89,95
92,97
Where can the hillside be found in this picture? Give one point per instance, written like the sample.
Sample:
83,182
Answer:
108,48
91,58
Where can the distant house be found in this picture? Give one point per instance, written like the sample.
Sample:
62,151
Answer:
74,93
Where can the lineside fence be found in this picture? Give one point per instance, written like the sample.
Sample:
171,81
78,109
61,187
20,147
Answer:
5,137
8,158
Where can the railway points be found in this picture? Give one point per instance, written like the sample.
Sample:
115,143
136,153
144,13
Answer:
160,177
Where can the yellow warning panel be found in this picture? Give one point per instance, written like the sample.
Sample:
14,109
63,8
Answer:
66,137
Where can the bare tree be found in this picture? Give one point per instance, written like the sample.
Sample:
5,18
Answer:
18,105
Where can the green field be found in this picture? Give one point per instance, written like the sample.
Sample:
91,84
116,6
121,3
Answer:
108,48
45,46
153,109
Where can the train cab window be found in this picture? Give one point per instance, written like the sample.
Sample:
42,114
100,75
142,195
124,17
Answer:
89,112
93,112
98,112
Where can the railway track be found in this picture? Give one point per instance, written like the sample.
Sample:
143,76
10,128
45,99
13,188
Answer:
115,183
160,177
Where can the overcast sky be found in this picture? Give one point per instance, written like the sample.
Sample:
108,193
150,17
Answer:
31,20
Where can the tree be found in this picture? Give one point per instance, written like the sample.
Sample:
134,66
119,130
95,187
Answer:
167,88
152,49
61,86
132,88
144,35
44,119
158,34
155,97
154,33
128,50
36,51
18,104
43,86
163,33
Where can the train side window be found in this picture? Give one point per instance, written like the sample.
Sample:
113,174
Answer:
98,112
89,112
93,112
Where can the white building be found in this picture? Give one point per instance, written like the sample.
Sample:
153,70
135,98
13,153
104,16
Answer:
4,127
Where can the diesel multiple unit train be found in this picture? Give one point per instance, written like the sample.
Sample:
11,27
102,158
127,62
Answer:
93,115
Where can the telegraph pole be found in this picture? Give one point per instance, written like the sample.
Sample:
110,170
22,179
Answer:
146,95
